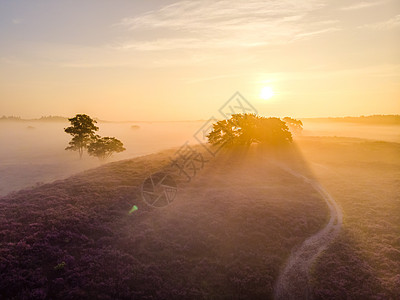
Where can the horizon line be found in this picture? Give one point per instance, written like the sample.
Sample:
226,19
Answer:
48,118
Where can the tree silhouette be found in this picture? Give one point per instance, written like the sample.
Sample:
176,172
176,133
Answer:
245,129
221,134
104,147
272,131
83,130
295,126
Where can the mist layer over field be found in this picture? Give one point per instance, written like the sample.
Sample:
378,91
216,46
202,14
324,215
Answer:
33,152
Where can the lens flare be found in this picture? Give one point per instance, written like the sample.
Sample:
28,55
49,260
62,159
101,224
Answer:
134,208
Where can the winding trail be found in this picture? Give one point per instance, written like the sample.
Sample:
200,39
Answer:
293,281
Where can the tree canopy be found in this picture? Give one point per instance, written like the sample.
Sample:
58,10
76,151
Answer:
83,130
294,125
104,147
245,129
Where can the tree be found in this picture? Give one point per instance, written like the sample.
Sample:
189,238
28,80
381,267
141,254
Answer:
273,131
104,147
83,130
295,126
239,129
245,129
221,134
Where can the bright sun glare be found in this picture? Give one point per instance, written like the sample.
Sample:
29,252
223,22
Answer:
266,92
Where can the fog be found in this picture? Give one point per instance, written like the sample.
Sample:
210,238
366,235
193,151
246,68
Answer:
33,153
389,133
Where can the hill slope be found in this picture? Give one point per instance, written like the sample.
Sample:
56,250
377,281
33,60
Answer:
226,235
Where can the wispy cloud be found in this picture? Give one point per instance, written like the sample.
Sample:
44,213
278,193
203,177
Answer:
224,24
362,5
312,33
384,25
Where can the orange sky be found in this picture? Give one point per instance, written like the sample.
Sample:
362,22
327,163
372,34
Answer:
181,60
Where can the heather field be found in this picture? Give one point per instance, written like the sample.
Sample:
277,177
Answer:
226,235
364,261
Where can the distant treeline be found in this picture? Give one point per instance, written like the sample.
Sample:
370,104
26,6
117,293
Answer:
374,119
64,119
44,118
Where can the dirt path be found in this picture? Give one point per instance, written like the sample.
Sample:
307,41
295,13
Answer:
293,281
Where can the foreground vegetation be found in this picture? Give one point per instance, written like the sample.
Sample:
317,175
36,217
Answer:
363,177
227,233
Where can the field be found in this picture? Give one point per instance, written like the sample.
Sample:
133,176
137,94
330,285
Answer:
364,262
228,233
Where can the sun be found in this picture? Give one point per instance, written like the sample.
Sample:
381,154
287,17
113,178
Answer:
266,93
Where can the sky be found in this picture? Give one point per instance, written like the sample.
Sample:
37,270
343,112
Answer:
182,60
